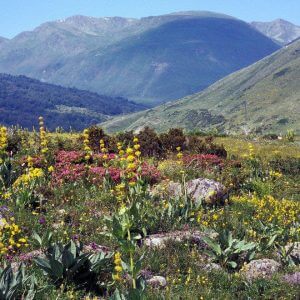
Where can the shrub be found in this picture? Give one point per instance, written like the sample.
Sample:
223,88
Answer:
150,143
173,139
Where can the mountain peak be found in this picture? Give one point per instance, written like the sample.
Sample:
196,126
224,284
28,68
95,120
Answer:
279,30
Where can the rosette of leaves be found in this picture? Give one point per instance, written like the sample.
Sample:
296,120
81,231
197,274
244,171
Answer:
16,285
229,252
7,175
67,263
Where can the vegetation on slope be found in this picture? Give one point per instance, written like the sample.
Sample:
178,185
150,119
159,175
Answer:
23,99
264,97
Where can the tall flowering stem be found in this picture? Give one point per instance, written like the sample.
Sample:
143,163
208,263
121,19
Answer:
3,143
43,139
86,147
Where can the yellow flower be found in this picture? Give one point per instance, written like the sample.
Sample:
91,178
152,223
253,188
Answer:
179,155
129,150
51,169
130,158
131,166
132,183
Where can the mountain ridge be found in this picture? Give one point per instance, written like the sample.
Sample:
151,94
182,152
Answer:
187,60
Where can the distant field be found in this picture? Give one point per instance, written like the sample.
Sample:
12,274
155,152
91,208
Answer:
267,149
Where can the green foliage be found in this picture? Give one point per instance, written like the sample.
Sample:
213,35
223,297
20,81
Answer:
290,135
65,263
228,251
14,285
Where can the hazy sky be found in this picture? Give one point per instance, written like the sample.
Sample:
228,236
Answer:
20,15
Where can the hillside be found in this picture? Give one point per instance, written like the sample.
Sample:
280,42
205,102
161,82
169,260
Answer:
149,60
3,40
264,97
23,100
280,30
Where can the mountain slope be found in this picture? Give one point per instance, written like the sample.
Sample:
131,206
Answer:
23,100
152,60
3,41
264,97
280,30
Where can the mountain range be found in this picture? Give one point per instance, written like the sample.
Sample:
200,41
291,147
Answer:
149,60
279,30
264,97
23,100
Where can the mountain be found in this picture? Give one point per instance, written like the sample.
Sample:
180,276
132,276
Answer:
23,100
264,97
3,40
279,30
149,60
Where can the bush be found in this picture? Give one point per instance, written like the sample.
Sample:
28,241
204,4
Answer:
150,143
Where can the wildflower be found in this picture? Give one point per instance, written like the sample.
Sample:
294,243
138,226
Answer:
43,138
132,183
130,158
131,166
129,150
118,266
3,138
51,169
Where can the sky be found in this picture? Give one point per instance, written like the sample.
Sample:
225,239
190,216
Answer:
20,15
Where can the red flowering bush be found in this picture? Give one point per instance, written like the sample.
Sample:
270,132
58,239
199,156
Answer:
69,157
203,161
66,172
150,173
96,174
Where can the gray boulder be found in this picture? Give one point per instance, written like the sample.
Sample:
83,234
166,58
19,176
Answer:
157,281
161,239
264,268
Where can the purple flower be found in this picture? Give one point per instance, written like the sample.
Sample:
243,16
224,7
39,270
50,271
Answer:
42,220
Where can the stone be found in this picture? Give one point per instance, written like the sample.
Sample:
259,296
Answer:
211,267
157,281
161,239
264,268
293,278
175,189
207,191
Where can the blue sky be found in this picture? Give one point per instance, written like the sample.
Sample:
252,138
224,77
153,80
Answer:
20,15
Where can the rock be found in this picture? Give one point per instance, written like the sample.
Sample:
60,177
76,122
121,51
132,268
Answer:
211,267
175,189
296,249
260,268
157,281
292,278
160,240
206,190
200,190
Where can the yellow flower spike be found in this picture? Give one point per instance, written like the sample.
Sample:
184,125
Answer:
129,151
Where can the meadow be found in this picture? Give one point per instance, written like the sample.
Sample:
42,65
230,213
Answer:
148,216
